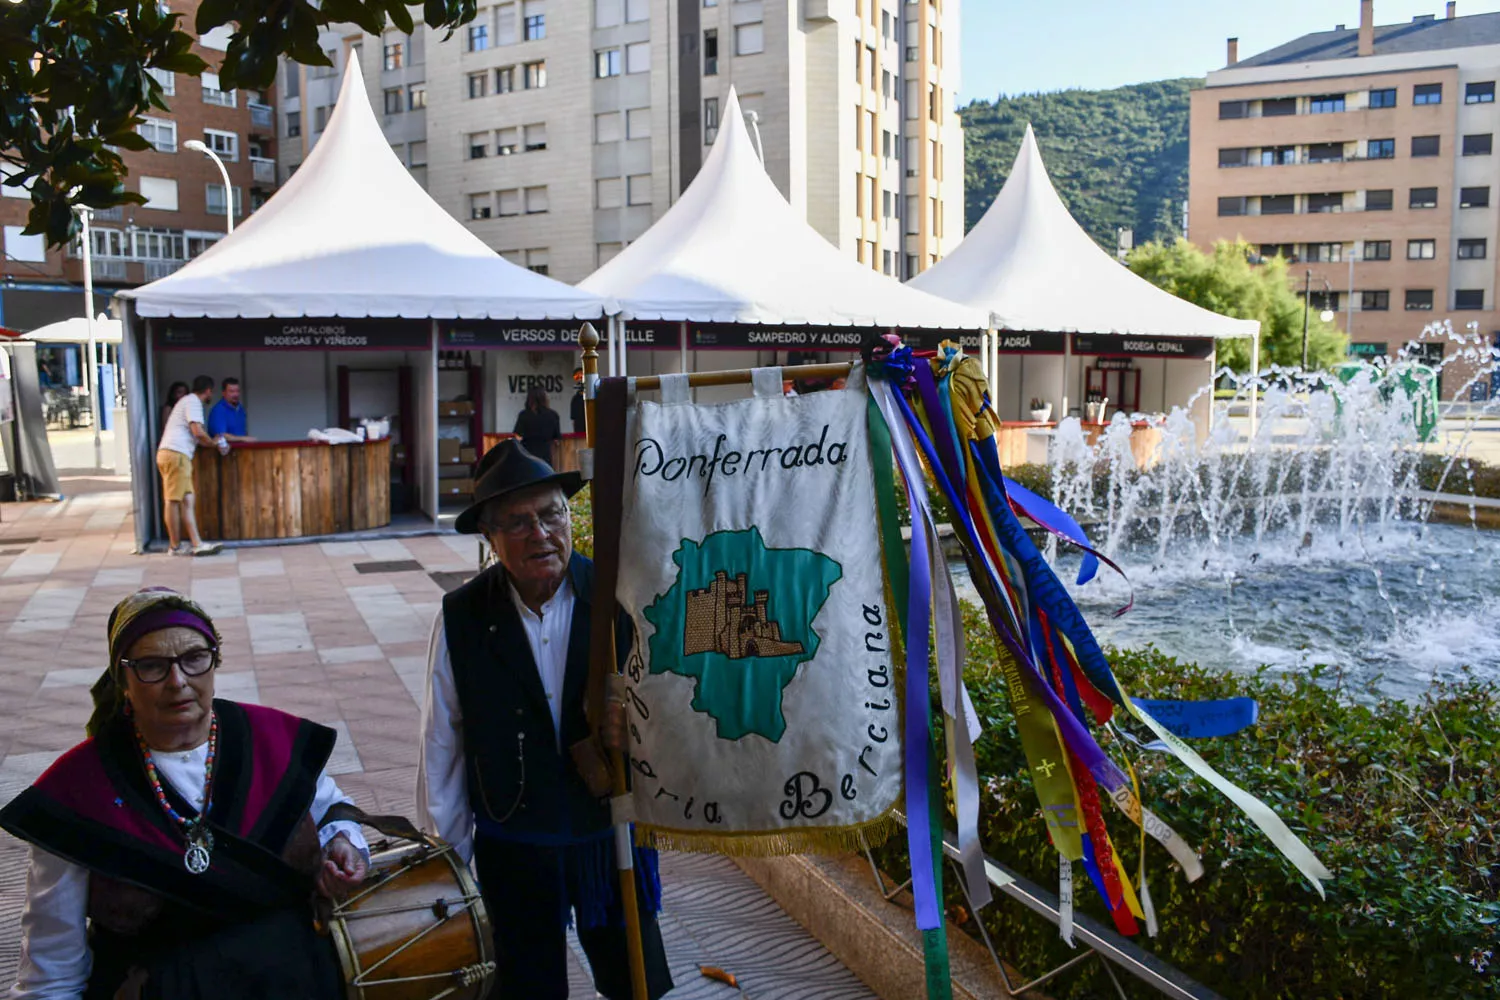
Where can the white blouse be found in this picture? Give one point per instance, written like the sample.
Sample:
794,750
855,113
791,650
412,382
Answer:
55,956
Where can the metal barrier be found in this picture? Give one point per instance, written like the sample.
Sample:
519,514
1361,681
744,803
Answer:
1113,950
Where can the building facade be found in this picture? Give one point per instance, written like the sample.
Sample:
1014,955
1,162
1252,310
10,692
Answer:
185,196
1365,156
560,131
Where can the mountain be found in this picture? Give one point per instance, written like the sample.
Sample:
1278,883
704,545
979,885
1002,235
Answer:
1118,157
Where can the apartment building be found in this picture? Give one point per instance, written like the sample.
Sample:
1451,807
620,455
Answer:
1365,156
560,131
185,196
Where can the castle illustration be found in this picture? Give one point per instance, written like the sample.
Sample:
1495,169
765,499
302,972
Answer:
720,620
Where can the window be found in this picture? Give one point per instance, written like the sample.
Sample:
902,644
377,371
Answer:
1380,149
638,123
479,206
505,79
161,193
215,201
394,54
913,99
638,57
1286,251
607,127
1425,145
1278,204
167,81
395,101
711,52
1473,249
606,63
1474,197
636,11
1479,145
536,75
1273,156
1385,97
749,39
212,94
293,124
1325,152
320,118
913,216
710,120
510,202
162,134
1423,198
293,80
606,13
538,260
1375,301
1237,157
479,85
505,24
1325,104
534,22
416,97
536,200
1321,300
1232,206
1468,298
157,244
479,145
226,144
1325,253
479,37
535,137
1377,250
1421,249
609,192
1419,299
1427,93
638,189
913,263
1234,109
1479,93
1279,107
417,153
606,252
508,141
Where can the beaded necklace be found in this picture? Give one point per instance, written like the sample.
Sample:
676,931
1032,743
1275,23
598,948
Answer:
195,831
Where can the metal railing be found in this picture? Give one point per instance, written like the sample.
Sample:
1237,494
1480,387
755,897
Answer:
1113,950
108,270
263,171
161,268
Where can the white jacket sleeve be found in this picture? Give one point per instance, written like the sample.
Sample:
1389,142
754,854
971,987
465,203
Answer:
329,794
55,956
442,788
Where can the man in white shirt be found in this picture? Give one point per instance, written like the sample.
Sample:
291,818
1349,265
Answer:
174,460
507,675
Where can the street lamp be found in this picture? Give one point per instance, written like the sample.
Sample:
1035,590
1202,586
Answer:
1325,315
92,373
197,146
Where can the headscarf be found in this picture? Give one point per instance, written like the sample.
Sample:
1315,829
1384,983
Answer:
143,612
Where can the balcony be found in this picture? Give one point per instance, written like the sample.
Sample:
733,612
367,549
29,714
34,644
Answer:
262,118
263,171
107,270
161,268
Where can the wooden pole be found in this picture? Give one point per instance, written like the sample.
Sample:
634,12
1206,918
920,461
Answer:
588,339
742,376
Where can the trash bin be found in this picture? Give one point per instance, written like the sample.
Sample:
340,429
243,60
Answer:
122,439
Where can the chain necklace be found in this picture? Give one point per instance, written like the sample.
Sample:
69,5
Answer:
195,831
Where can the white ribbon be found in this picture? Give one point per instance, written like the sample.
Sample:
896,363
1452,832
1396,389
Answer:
1065,900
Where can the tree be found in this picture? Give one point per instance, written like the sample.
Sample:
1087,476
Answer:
1225,281
74,80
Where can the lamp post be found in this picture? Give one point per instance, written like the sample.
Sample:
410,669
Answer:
1325,315
88,315
198,146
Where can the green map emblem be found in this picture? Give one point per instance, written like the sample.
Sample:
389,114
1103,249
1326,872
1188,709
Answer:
738,620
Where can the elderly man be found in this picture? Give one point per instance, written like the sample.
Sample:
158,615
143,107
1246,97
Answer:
507,672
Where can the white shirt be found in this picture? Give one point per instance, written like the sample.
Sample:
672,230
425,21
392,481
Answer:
178,435
442,785
55,956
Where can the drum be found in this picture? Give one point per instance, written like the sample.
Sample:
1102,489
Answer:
416,929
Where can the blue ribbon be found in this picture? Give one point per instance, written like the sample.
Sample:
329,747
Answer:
1057,521
1202,719
918,733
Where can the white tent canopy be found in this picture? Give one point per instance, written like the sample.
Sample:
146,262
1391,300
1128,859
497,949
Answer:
352,234
1034,269
732,250
76,331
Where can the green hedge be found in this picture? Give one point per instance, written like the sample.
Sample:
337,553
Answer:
1401,801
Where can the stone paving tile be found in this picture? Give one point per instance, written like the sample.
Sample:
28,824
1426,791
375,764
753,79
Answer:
32,564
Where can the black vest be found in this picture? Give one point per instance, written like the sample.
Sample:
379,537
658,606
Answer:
521,785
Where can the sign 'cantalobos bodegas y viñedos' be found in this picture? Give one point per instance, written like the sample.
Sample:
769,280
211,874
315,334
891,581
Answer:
291,334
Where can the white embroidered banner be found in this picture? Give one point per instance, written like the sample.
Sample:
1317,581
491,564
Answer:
761,689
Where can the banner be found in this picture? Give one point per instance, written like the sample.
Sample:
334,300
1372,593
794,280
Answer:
291,334
764,709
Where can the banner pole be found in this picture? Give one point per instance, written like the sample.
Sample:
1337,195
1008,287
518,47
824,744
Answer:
588,340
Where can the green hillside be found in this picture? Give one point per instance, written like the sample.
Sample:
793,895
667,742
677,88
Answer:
1117,157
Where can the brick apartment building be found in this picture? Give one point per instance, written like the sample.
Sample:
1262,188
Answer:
186,200
1365,156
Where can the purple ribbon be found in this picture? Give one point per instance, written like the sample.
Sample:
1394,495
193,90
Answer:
918,729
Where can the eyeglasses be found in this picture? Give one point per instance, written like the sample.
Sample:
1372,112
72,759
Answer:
552,521
193,663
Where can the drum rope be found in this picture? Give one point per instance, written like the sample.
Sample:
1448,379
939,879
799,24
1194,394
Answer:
359,980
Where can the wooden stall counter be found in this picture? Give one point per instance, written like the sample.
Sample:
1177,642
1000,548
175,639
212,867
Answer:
564,457
292,489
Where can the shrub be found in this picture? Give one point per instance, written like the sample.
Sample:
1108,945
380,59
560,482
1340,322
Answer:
1398,799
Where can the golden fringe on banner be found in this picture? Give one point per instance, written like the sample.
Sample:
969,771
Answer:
771,844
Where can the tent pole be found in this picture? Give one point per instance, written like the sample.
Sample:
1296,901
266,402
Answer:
1067,357
92,375
1254,379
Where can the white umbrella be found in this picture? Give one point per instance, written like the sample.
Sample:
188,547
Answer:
76,331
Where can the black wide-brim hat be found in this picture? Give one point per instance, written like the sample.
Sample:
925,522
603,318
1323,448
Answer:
505,469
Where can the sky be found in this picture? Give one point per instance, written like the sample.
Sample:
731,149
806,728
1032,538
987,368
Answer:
1023,46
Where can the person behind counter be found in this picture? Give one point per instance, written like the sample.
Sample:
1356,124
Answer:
578,410
174,393
174,460
227,417
538,426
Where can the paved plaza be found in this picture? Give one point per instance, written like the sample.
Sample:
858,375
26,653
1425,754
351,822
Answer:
336,632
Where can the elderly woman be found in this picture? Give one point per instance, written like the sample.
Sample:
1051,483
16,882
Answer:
175,852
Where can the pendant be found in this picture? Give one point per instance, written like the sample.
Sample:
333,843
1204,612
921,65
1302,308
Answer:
196,859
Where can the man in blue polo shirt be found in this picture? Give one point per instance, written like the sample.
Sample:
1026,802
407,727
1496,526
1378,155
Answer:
227,416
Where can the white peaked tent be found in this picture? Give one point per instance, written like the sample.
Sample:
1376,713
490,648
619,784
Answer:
732,250
351,234
76,331
1030,265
